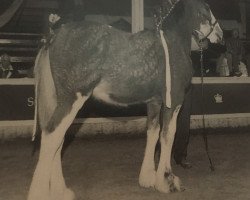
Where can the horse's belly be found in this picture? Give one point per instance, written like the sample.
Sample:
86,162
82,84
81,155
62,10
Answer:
117,94
103,91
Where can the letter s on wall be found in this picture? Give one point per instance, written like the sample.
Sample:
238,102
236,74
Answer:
30,101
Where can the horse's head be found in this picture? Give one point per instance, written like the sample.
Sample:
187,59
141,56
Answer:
205,24
194,15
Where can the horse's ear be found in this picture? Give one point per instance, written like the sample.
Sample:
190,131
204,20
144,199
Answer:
204,12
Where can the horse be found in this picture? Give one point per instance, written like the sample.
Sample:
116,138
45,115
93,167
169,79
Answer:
90,59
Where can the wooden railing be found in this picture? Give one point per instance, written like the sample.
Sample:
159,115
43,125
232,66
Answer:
21,47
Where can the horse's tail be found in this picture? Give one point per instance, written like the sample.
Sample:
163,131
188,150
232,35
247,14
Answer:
45,95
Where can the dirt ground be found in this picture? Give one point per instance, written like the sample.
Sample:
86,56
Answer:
108,169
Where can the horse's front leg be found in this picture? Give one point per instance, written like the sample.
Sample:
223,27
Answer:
148,173
170,182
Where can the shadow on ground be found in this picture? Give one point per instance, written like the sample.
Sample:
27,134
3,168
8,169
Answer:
108,168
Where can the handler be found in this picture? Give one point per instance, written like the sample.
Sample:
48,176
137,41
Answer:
183,125
6,69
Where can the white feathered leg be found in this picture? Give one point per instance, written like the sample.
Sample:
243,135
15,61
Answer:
171,182
48,182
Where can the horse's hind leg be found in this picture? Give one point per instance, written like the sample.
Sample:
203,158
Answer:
58,187
48,182
148,173
170,182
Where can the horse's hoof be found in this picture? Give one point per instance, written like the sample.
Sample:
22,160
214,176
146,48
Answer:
174,183
171,183
147,179
162,186
68,194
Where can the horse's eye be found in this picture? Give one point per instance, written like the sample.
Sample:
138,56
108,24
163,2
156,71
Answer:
202,17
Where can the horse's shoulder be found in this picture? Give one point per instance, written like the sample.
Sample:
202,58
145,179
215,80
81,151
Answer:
145,38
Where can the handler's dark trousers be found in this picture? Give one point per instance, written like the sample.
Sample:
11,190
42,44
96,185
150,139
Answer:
183,129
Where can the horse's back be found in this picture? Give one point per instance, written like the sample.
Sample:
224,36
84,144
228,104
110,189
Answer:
84,53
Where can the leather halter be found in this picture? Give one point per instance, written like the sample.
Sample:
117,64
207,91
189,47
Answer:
202,34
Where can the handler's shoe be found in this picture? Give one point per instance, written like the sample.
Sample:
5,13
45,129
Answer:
185,164
238,73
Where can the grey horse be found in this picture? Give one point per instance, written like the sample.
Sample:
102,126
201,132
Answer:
90,59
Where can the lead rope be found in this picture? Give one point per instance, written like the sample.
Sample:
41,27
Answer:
204,133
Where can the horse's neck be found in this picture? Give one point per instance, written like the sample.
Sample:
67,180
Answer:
180,31
180,36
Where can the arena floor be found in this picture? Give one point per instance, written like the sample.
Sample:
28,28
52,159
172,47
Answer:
108,168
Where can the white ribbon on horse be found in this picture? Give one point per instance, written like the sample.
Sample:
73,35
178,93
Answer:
168,71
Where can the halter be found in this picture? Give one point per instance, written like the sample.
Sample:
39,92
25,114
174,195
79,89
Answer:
209,33
212,28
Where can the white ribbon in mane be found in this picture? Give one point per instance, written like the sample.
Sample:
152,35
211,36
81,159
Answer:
168,71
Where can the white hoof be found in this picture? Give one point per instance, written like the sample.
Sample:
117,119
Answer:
177,184
147,178
68,194
32,196
36,194
162,186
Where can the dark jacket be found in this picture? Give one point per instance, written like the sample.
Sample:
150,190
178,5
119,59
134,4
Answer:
10,73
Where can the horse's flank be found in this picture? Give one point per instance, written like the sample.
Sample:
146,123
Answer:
130,66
